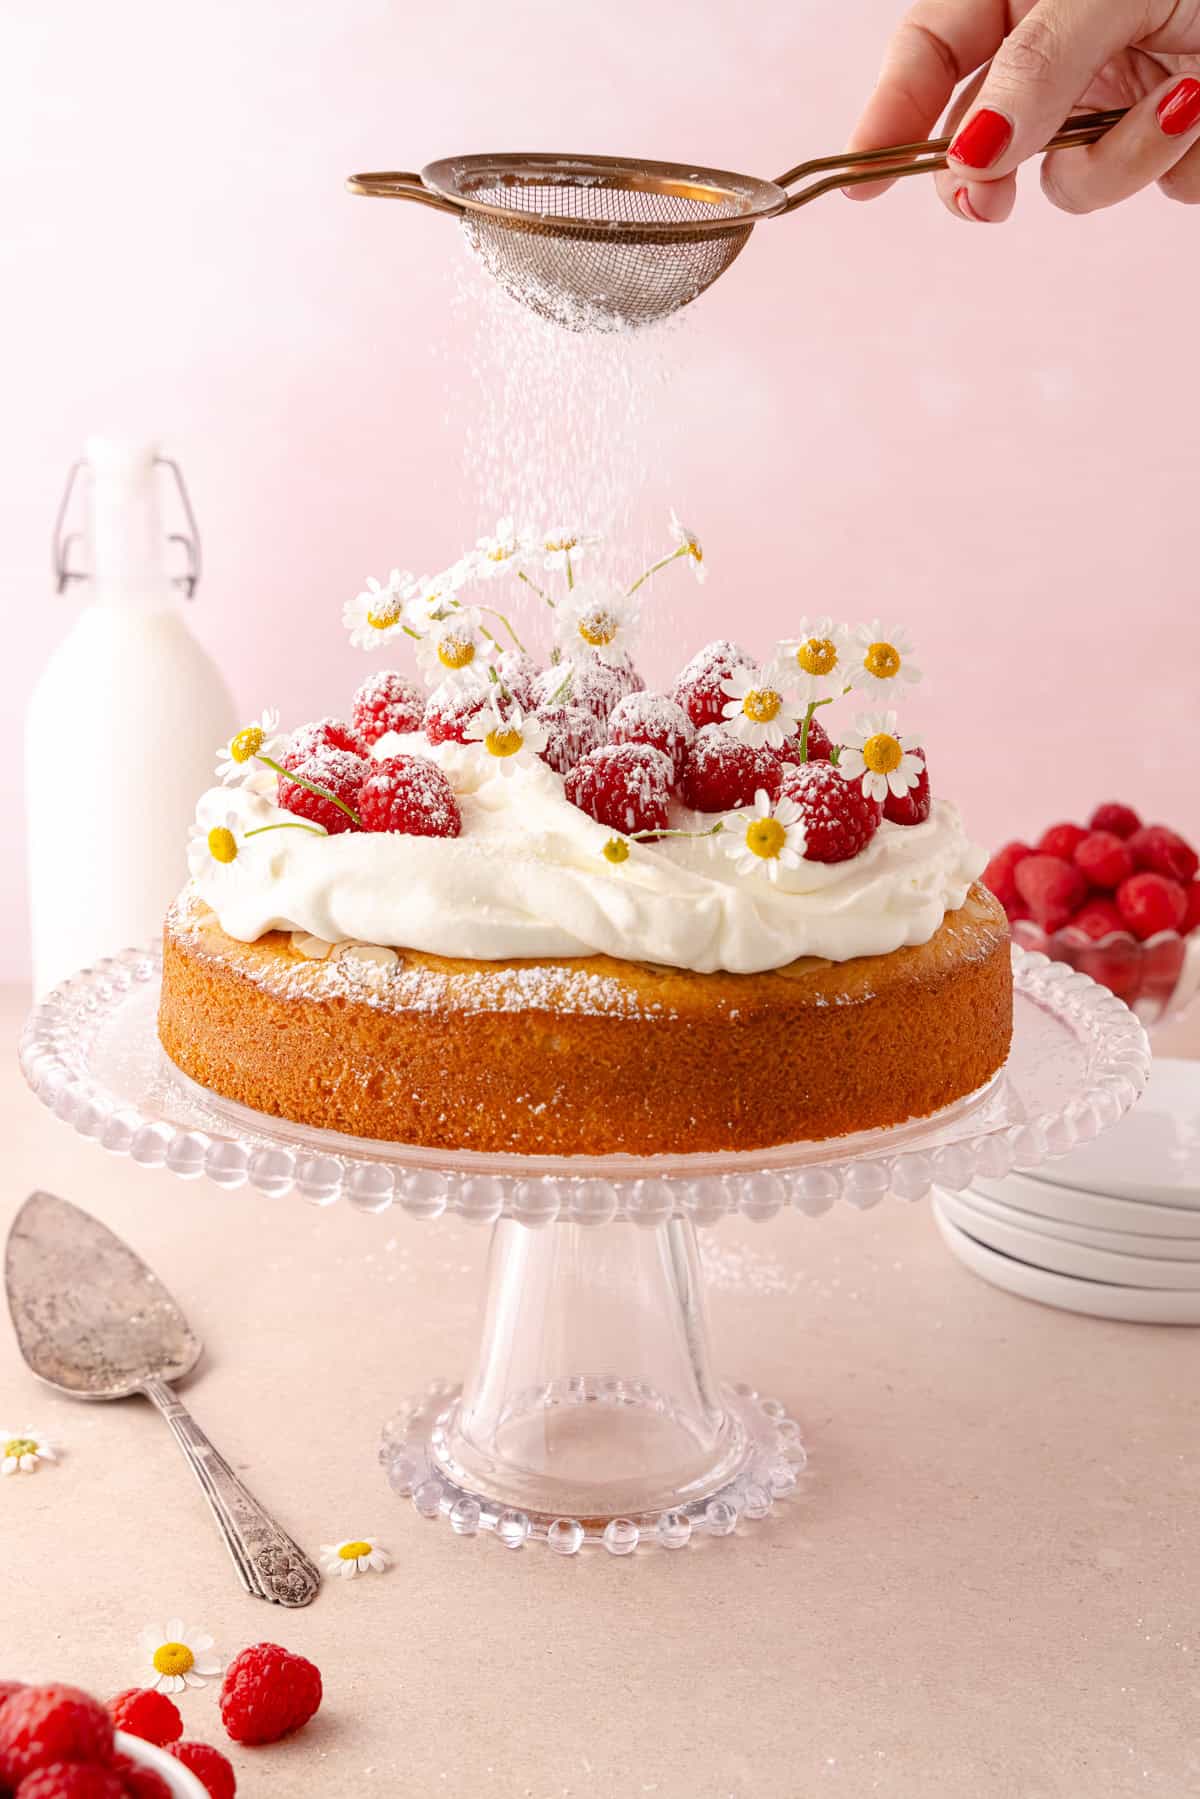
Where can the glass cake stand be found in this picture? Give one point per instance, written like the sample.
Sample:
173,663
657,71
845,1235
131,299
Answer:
591,1410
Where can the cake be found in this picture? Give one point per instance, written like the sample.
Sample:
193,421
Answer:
540,911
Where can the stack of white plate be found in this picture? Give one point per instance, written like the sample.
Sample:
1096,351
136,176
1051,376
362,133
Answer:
1112,1229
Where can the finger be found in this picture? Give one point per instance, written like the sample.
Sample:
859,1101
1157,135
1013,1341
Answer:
1183,181
936,45
1150,141
1038,73
980,202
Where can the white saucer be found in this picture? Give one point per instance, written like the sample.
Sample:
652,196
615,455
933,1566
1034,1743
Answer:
1153,1154
1119,1243
1137,1305
1061,1257
1095,1209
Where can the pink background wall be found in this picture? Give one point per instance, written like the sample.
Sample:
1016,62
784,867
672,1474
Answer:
990,434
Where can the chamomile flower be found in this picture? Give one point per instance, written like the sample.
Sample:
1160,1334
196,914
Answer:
179,1657
770,837
376,615
236,759
357,1555
818,662
758,710
433,597
882,665
454,648
563,549
598,618
212,849
509,738
23,1451
690,544
502,553
874,753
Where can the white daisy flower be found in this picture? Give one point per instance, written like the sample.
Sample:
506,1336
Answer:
565,549
772,836
502,553
432,597
874,752
213,848
818,661
512,737
22,1451
598,618
357,1555
377,614
455,648
688,541
757,710
882,665
236,759
179,1656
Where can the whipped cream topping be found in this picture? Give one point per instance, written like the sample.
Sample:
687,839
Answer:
528,878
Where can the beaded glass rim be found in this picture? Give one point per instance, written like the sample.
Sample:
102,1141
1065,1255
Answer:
90,1052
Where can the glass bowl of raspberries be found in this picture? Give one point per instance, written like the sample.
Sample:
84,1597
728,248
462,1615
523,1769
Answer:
1117,899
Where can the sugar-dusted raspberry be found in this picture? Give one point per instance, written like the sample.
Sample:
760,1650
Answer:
1104,858
623,667
144,1712
519,673
1052,888
819,745
838,819
1148,903
571,731
40,1725
1122,821
699,686
9,1687
654,719
138,1782
387,701
450,709
722,771
626,786
72,1780
316,739
913,807
1061,841
213,1770
268,1692
596,686
337,772
409,795
1097,918
998,876
1191,918
1164,852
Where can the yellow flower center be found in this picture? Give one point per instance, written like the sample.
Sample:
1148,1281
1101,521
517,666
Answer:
19,1446
499,552
505,740
818,656
694,549
350,1552
246,744
385,611
616,850
765,837
882,753
883,661
599,627
762,704
174,1659
222,844
456,652
561,543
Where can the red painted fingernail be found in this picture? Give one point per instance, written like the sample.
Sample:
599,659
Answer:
1180,110
962,200
983,141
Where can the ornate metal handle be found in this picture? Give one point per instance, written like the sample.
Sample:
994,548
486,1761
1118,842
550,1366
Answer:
269,1564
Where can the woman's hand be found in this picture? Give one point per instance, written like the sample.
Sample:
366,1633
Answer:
1033,65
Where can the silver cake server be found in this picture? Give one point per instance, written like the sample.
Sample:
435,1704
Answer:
95,1322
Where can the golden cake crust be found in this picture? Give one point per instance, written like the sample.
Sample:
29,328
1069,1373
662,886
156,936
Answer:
586,1055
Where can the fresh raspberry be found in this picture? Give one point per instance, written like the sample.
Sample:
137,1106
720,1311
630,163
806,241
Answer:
1147,902
450,709
146,1713
819,745
213,1770
699,687
140,1783
387,701
626,786
1122,821
316,739
48,1724
72,1780
268,1692
340,773
1061,841
571,731
410,795
596,686
914,807
519,673
722,771
838,819
1164,852
9,1687
1104,859
1097,919
1191,919
654,719
1052,888
997,877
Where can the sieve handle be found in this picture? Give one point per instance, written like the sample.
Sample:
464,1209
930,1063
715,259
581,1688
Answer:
898,160
395,184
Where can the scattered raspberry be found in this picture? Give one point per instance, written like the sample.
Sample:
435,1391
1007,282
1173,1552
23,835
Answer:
72,1780
626,786
1061,841
722,772
1191,919
1122,821
596,686
140,1783
409,795
998,876
1147,902
148,1714
387,701
571,731
213,1770
819,744
268,1692
654,719
838,819
698,687
1052,888
1164,852
519,673
449,710
914,807
1104,859
340,773
315,740
40,1725
1097,919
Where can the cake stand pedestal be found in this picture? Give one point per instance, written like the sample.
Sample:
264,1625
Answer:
591,1411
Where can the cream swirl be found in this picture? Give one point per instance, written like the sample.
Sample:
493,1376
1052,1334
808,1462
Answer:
528,878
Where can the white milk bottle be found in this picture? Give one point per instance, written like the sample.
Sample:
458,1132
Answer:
121,734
